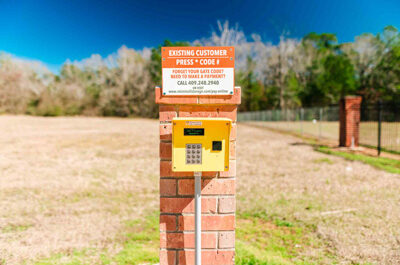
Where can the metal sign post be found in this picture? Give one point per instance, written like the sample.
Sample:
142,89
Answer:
197,214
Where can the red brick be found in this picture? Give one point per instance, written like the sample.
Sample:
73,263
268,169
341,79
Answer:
165,132
186,187
165,150
208,186
349,116
186,240
167,113
232,150
167,187
166,170
163,99
208,257
168,223
208,111
167,257
234,99
233,133
186,205
231,172
226,205
210,223
226,240
209,174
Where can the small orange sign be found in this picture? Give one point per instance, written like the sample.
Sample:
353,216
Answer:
198,70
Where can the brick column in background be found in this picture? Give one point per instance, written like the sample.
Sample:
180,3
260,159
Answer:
349,117
177,239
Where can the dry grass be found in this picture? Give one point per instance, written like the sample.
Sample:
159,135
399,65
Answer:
71,183
352,206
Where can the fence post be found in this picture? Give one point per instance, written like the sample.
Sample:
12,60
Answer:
286,119
320,124
349,116
379,126
301,120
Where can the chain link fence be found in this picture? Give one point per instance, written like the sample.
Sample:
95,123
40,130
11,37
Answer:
316,122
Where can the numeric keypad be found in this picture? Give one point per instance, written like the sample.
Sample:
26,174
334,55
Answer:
193,153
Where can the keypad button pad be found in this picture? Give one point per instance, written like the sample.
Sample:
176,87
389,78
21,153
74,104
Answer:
193,154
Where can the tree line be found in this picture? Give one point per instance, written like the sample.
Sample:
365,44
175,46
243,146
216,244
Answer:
316,70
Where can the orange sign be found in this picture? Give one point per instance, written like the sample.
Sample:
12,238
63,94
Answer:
198,70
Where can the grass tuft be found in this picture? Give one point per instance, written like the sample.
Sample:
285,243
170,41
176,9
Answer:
141,245
262,240
15,228
323,160
279,222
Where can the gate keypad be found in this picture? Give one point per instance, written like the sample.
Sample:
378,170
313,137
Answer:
193,153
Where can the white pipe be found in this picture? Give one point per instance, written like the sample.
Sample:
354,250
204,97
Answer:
197,201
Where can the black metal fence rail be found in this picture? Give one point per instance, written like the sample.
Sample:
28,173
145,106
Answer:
317,122
380,126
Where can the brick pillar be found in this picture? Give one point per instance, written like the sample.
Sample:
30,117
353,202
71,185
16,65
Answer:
349,116
177,188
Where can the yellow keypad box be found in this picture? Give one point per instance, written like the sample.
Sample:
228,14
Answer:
200,144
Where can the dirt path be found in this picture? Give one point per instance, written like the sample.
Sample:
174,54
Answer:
71,183
354,207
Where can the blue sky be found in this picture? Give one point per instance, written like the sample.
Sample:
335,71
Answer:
54,30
